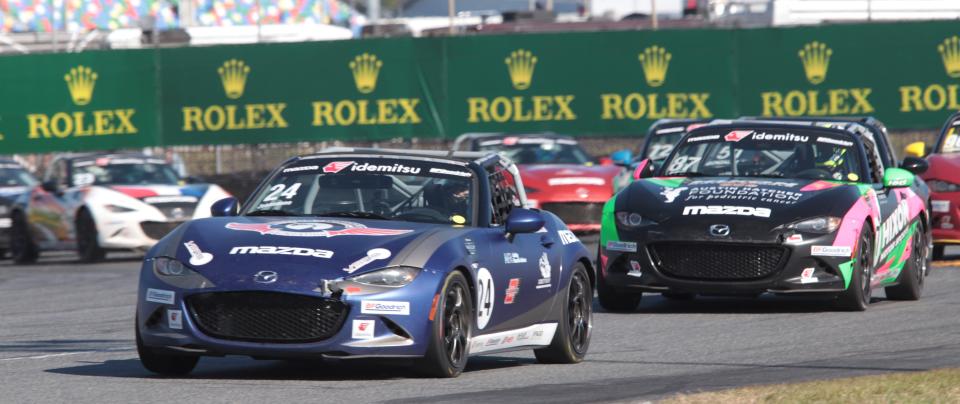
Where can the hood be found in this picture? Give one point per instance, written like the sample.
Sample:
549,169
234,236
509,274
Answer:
755,204
13,191
303,251
943,167
174,202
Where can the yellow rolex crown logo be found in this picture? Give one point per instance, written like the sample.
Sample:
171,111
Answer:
80,82
816,60
950,52
233,76
655,61
365,68
520,65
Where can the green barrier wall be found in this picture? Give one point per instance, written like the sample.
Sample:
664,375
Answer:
616,83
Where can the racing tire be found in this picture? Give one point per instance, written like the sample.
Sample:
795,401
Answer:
938,251
914,271
3,253
88,245
678,295
572,338
22,248
166,365
450,332
857,295
613,300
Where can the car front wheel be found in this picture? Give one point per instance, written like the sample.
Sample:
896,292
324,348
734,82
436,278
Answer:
450,331
167,365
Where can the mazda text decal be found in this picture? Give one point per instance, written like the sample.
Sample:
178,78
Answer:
271,250
726,210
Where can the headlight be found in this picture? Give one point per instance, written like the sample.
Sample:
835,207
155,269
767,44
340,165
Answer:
632,219
118,209
822,224
943,186
175,273
391,277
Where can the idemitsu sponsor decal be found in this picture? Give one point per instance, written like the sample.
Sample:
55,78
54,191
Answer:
160,296
363,329
314,228
336,166
197,257
272,250
395,168
175,319
384,307
726,210
372,255
794,238
544,281
830,251
780,137
737,135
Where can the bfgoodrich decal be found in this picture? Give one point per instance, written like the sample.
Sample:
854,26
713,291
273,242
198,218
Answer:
385,307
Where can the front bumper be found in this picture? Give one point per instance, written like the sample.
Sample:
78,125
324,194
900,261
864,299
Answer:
362,333
945,217
133,233
797,271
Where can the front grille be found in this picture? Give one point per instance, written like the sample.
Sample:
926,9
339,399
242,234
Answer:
718,262
576,212
156,230
176,210
266,316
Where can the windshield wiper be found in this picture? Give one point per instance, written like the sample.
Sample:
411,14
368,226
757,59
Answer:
271,212
356,214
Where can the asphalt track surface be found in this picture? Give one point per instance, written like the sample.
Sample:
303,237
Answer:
66,335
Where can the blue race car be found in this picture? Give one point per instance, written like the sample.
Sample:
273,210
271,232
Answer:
369,252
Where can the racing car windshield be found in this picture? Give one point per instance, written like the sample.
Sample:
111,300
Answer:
123,171
523,150
14,176
757,153
370,188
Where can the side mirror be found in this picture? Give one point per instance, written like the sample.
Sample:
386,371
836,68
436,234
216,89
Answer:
915,149
897,178
192,180
622,157
225,207
524,221
50,186
915,165
645,169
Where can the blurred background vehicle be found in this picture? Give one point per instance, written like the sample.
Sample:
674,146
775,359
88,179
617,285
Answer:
559,176
943,178
99,202
662,136
15,184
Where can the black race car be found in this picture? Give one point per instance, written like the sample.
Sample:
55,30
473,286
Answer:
747,207
15,185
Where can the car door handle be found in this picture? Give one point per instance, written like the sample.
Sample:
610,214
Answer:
546,241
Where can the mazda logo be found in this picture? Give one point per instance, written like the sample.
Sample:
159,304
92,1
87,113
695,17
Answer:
265,277
719,230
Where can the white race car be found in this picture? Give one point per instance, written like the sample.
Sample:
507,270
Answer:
98,203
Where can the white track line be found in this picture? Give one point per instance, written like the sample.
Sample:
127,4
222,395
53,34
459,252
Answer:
66,354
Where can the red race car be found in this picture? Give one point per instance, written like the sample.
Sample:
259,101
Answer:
558,175
943,178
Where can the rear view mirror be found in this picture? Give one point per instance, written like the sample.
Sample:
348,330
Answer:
897,178
915,165
524,221
645,169
225,207
915,149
